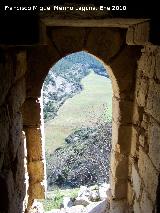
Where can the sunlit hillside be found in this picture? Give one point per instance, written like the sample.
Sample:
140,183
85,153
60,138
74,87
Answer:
84,109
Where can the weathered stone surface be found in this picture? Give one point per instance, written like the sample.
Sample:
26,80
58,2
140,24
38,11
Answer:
157,64
37,191
38,67
4,133
34,144
119,164
136,180
99,207
148,174
134,140
124,79
17,96
16,134
121,135
122,111
33,167
136,207
81,201
68,39
147,61
154,144
146,204
153,100
137,114
108,45
10,185
31,112
67,202
37,207
105,192
138,34
6,73
145,121
100,39
118,206
142,89
118,188
130,194
21,65
142,140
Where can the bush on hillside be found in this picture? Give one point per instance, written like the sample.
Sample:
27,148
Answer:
83,160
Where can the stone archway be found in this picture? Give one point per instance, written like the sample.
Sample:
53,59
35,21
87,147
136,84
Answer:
109,44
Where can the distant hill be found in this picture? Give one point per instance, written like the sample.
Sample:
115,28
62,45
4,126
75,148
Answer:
77,111
64,80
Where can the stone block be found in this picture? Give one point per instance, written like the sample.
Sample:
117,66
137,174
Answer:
146,204
153,100
138,34
31,112
34,144
134,140
36,171
4,133
6,73
122,111
118,206
68,39
99,207
141,91
118,187
17,96
20,171
136,181
37,191
100,39
10,185
148,174
137,114
142,140
119,165
130,194
154,144
147,61
21,65
145,121
121,136
15,134
4,128
136,207
157,65
124,71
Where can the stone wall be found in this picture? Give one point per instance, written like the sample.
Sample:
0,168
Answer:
22,162
32,121
135,162
13,170
145,147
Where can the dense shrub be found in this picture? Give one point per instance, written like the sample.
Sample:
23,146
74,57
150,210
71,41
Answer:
83,160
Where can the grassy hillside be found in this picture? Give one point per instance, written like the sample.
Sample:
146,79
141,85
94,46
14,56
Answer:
83,109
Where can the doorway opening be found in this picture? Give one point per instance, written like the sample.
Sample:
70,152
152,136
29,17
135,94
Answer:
77,105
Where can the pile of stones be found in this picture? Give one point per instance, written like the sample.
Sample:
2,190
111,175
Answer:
94,199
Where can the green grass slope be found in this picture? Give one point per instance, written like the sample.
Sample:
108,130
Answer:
84,109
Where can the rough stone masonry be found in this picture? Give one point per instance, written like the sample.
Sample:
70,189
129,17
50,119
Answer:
133,63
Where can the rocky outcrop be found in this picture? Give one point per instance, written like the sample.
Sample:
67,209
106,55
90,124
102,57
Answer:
87,202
